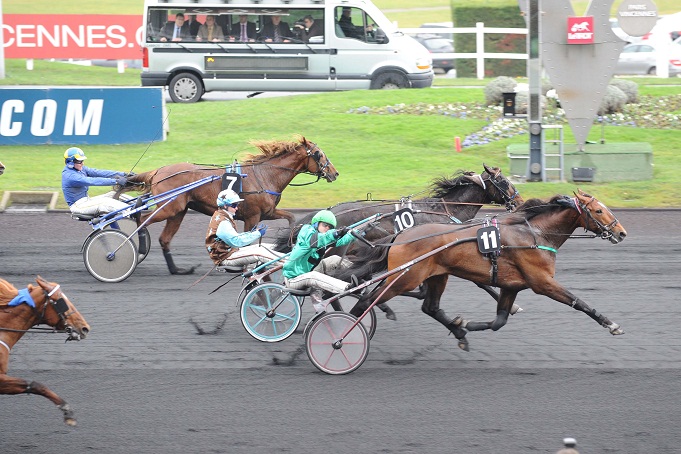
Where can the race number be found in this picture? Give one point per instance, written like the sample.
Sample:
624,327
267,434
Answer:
489,239
403,220
231,181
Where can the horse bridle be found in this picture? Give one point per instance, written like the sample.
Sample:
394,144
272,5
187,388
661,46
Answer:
315,153
605,230
504,187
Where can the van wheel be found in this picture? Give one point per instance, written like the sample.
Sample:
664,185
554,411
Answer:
389,81
652,71
185,87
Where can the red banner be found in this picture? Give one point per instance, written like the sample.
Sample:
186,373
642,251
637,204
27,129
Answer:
580,30
110,37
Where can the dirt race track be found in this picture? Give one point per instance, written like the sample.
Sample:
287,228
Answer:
147,381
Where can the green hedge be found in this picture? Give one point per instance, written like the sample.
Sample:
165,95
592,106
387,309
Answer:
499,13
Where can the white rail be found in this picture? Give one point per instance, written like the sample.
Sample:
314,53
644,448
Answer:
480,55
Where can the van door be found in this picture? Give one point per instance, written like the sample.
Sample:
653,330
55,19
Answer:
359,48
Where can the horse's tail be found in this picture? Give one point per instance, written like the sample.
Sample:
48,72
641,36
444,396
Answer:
367,261
140,182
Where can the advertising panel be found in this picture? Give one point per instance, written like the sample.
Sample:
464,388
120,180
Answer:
71,116
89,36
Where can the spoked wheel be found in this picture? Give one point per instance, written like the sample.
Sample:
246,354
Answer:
142,240
270,313
369,321
103,263
331,354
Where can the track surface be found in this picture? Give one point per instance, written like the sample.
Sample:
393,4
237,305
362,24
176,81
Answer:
146,381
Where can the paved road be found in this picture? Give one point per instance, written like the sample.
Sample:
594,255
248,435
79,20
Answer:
147,381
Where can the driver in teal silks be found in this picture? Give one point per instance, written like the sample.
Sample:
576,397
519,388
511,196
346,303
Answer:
306,255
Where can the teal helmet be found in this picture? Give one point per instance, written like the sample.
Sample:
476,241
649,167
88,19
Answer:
325,216
228,197
72,155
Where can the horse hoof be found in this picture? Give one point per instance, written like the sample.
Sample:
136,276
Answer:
183,271
515,309
391,316
70,422
463,344
615,329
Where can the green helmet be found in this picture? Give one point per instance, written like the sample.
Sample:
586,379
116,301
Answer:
325,216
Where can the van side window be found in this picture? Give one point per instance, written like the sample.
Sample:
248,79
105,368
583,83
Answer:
354,23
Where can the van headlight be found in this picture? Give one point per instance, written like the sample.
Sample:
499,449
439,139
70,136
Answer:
424,63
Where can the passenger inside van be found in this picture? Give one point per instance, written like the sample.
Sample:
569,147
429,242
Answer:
309,28
351,30
210,31
176,31
275,31
243,31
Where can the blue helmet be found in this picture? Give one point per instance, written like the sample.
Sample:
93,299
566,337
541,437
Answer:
72,155
228,197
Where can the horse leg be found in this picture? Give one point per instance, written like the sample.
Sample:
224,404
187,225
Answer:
493,293
553,290
12,385
431,306
169,231
506,298
389,313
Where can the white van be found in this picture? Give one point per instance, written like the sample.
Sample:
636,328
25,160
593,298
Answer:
276,45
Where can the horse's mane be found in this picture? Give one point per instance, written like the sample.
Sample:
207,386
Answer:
7,291
535,207
269,149
442,186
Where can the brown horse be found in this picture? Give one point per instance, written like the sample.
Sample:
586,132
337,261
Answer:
523,256
268,174
49,306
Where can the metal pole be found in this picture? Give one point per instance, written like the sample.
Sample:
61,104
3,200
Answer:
535,170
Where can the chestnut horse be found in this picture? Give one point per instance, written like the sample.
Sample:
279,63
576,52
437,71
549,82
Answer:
524,257
20,311
268,174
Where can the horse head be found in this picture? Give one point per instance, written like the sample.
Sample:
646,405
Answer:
598,218
59,312
500,189
322,167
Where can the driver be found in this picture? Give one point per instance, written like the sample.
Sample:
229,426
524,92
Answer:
312,240
225,245
76,179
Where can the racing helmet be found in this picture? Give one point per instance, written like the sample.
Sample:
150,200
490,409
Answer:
325,216
228,197
72,155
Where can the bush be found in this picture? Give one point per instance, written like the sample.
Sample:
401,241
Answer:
613,101
628,87
496,88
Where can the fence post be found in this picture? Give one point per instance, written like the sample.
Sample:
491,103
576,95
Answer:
480,49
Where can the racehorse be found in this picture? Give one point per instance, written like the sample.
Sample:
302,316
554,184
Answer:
268,174
452,199
22,310
525,257
2,168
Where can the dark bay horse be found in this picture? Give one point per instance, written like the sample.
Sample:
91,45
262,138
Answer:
50,306
451,199
268,174
525,258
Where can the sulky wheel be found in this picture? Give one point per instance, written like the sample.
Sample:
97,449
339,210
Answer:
270,313
332,347
109,256
142,240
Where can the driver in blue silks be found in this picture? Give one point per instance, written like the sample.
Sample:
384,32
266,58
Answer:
76,179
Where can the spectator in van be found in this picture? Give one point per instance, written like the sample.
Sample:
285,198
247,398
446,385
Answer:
210,31
193,25
276,31
176,31
243,31
349,29
310,28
